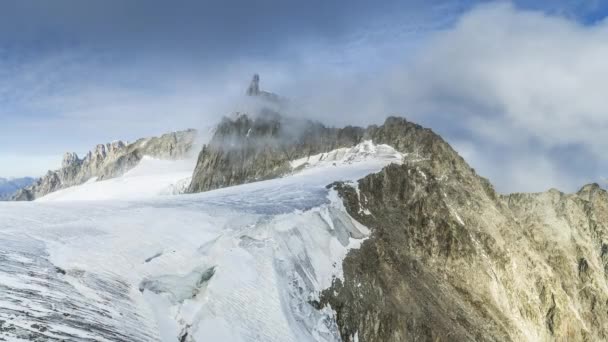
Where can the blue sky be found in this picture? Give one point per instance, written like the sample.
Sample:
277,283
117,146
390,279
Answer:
514,86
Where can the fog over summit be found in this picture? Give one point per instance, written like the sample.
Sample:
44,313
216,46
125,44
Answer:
512,85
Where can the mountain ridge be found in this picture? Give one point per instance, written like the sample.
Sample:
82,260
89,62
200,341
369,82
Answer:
108,161
448,257
451,259
439,256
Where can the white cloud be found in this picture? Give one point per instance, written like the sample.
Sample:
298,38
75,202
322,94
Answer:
521,74
514,79
522,89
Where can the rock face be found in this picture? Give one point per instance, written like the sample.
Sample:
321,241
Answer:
254,90
246,149
451,260
254,86
108,161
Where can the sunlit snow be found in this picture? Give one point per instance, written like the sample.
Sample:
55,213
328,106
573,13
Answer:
123,260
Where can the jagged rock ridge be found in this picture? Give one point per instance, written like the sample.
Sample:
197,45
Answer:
258,146
449,259
108,161
255,91
246,148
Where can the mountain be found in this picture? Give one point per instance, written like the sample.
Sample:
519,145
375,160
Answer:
108,161
451,259
251,148
234,264
295,231
8,186
448,256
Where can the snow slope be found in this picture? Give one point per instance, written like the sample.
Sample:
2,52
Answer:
151,177
235,264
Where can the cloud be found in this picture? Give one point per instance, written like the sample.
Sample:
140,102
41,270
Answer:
525,82
522,91
69,81
518,92
522,71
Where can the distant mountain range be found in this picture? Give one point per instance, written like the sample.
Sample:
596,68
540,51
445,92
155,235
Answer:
9,186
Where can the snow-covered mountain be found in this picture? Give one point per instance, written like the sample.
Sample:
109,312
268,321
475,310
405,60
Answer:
284,229
108,161
237,264
8,186
151,177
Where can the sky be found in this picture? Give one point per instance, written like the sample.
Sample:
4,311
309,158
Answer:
517,88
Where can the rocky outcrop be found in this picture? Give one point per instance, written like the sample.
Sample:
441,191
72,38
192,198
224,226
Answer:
108,161
254,86
244,149
247,148
255,91
451,260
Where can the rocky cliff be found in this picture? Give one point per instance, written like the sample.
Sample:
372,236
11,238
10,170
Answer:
107,161
449,259
246,148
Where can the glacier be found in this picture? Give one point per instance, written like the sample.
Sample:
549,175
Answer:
131,259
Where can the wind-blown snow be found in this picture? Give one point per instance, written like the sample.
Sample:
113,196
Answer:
235,264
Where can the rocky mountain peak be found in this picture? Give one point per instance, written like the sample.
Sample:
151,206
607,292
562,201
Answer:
102,151
255,91
254,86
249,148
588,190
69,158
115,146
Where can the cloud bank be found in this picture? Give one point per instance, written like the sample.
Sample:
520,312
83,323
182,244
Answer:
519,93
526,89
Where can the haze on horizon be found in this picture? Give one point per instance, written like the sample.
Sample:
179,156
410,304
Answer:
515,87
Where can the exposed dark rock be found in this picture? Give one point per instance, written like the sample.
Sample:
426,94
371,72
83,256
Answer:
551,316
254,86
255,91
451,260
246,149
252,148
583,267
